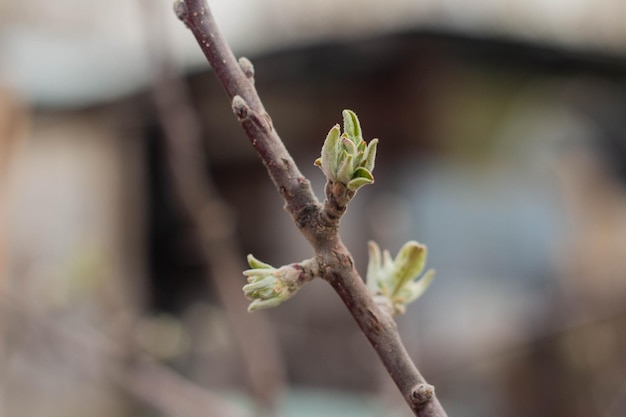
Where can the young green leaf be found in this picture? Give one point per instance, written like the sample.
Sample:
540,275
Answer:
409,263
419,287
361,147
352,127
357,183
330,152
391,281
261,288
361,172
256,264
261,304
370,155
345,170
373,266
348,145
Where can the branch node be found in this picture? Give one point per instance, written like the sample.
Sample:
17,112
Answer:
246,66
240,108
305,215
421,394
180,8
345,158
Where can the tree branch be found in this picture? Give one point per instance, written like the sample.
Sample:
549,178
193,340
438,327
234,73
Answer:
211,217
239,86
319,225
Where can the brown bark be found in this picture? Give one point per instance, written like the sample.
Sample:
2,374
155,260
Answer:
318,224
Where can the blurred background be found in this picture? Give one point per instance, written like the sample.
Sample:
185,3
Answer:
129,198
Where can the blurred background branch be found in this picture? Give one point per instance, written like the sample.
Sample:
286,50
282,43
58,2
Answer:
504,150
133,370
213,220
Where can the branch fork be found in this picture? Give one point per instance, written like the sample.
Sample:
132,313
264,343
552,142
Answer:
347,161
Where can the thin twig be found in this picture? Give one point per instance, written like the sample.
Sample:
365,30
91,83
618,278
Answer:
169,392
136,372
318,224
212,220
239,86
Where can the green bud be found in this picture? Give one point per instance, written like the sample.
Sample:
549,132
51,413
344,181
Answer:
268,286
395,280
346,158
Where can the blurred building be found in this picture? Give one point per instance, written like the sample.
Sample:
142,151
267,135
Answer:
503,148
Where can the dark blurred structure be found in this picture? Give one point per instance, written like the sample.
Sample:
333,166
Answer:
507,159
482,142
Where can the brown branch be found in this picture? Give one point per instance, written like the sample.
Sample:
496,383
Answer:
319,225
239,86
212,220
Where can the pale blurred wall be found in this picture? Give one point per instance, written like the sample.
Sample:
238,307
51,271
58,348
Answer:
69,52
74,269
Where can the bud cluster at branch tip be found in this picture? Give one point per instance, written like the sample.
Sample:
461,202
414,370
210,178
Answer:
393,281
346,158
268,286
